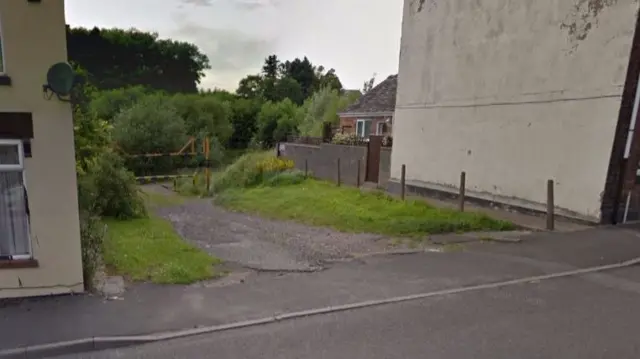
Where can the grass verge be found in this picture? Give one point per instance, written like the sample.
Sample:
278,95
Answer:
350,210
148,249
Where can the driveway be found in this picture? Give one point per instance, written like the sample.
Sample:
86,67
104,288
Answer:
263,244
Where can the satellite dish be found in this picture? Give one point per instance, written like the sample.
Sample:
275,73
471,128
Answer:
61,78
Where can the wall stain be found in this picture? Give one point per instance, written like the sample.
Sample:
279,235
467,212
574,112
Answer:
422,4
583,18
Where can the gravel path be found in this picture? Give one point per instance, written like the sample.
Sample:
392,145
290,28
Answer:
264,244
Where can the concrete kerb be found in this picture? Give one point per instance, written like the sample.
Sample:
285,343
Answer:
102,343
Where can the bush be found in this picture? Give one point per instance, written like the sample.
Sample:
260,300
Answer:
244,172
108,189
345,139
274,164
151,126
92,235
286,178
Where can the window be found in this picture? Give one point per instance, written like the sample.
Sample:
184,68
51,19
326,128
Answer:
363,128
15,241
381,128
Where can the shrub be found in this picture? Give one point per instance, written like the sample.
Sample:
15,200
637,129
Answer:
345,139
244,172
108,189
92,235
151,126
286,178
274,164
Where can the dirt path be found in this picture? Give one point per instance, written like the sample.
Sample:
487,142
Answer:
264,244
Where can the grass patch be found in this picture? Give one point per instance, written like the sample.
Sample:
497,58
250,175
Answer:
350,210
157,199
148,249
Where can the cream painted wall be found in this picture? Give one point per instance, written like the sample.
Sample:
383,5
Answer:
506,91
34,39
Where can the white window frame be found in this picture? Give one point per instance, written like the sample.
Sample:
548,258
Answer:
363,121
19,167
380,127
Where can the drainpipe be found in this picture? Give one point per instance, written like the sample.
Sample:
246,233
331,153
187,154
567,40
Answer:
627,148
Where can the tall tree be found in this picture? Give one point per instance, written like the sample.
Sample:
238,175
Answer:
116,58
271,66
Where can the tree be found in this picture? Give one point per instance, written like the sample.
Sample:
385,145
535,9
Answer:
368,85
244,118
271,66
303,72
276,121
322,108
250,87
116,58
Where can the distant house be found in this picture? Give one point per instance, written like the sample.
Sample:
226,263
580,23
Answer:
373,113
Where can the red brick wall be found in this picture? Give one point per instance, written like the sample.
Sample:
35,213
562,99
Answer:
349,124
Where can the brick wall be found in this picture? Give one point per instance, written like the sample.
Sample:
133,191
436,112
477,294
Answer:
349,124
322,161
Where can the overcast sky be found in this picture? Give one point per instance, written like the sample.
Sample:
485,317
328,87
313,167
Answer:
356,37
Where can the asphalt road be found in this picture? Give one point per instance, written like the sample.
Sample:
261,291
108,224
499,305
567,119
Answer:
595,316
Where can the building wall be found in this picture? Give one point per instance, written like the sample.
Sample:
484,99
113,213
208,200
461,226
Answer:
33,40
513,92
348,124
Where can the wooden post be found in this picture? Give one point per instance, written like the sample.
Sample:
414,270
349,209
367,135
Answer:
339,181
403,181
463,185
358,178
306,168
550,206
208,164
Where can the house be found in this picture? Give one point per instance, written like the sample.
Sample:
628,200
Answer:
372,114
39,225
515,93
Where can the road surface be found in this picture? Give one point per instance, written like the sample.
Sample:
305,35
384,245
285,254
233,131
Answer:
580,317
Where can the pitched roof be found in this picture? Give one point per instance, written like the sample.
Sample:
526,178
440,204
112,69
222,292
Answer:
381,98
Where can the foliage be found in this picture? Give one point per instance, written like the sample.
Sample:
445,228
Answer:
323,108
92,236
204,115
242,173
148,249
117,58
152,125
244,121
107,104
285,178
274,164
345,139
351,210
295,80
276,121
108,189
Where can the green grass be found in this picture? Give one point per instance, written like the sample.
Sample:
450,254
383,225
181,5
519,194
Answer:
350,210
148,249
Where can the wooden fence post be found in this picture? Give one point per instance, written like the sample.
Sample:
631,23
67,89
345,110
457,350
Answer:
358,179
550,206
338,162
463,185
403,181
208,162
306,168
